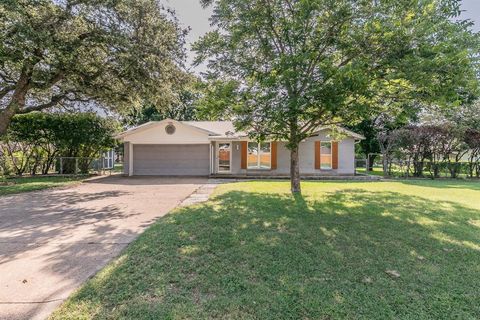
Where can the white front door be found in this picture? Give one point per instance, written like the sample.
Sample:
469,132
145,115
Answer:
224,156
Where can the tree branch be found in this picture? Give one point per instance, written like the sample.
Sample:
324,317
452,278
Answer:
276,38
49,83
311,67
6,90
53,101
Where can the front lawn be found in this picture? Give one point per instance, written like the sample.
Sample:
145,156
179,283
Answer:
25,184
345,250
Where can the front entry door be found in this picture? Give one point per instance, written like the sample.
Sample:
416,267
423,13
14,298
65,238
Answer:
224,155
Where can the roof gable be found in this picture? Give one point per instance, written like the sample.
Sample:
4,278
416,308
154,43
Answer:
153,124
157,133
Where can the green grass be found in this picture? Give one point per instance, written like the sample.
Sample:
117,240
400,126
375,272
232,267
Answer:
376,171
397,172
118,168
26,184
256,252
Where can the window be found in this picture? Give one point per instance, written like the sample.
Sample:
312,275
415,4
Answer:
224,157
259,155
252,158
325,155
265,155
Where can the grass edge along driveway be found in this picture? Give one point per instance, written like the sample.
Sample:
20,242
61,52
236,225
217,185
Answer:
378,250
35,183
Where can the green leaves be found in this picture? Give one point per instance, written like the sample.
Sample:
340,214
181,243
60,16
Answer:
324,61
114,53
73,135
301,64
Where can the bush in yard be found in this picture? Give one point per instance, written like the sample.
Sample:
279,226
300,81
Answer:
84,136
15,157
35,140
29,143
432,149
472,139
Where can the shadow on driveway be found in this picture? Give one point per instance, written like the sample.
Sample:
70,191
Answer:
53,240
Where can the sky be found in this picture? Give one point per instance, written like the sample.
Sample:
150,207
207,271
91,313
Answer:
191,14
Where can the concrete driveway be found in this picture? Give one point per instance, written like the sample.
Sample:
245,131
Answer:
53,240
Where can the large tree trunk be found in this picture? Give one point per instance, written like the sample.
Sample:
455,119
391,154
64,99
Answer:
371,160
383,139
17,101
6,116
385,164
295,170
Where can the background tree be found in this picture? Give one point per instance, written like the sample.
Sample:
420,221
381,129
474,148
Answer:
369,147
218,100
437,142
114,53
383,122
472,139
85,136
182,108
38,132
302,64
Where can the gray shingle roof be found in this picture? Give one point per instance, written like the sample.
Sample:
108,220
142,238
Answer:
218,127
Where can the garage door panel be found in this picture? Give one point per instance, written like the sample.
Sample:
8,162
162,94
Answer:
178,164
170,172
171,160
168,152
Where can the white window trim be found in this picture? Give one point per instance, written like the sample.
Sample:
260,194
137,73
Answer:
259,157
331,154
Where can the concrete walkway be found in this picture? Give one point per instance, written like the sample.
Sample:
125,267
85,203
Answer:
51,241
203,193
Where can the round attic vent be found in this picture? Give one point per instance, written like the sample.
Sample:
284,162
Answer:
170,129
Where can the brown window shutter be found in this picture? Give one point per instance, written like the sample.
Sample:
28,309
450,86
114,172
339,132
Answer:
274,155
243,163
334,154
317,155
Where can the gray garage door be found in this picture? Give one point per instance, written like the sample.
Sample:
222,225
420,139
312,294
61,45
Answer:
171,160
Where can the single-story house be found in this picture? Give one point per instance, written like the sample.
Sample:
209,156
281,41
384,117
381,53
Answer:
206,148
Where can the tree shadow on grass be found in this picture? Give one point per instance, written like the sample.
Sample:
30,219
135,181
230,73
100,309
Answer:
247,255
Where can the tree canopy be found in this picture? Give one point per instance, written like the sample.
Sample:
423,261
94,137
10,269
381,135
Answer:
183,108
302,64
110,52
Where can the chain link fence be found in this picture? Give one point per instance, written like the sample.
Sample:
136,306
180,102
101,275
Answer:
82,166
360,166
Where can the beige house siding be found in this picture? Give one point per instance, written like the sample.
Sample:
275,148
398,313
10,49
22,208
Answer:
346,158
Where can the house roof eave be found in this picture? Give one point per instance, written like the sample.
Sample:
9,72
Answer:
150,124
